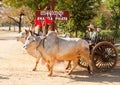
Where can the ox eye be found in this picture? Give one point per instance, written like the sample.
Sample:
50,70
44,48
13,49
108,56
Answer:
28,39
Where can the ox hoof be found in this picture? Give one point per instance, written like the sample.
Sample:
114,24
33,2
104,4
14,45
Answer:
50,75
69,73
89,70
68,68
91,73
66,71
34,69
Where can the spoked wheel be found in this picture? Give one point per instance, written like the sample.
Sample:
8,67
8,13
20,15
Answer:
104,56
82,63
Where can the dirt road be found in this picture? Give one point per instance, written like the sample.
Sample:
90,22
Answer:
16,68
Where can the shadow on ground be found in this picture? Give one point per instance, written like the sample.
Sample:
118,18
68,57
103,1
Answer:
111,76
3,77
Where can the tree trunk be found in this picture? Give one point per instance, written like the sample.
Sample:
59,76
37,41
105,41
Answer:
10,26
117,24
20,24
52,8
76,33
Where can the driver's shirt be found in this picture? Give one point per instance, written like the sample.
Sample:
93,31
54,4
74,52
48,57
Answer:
93,35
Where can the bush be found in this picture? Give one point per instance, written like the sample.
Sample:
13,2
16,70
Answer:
111,33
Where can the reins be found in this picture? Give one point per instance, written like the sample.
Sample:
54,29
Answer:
42,42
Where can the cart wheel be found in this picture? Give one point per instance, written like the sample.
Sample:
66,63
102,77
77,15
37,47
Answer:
104,56
82,63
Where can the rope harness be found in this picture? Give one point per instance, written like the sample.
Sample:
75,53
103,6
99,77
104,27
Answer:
42,42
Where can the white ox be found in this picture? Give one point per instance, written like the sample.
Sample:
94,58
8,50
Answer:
54,48
33,52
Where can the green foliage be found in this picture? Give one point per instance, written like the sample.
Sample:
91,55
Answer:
32,4
81,12
114,6
14,3
108,33
111,33
99,21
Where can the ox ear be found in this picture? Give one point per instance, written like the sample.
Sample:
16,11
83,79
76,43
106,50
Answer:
30,33
26,31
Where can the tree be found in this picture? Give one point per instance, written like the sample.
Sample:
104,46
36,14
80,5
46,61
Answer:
31,4
81,12
103,18
114,6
